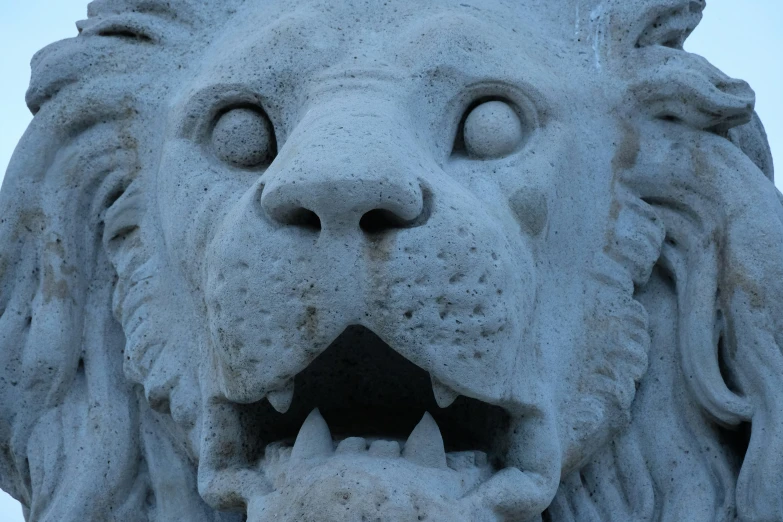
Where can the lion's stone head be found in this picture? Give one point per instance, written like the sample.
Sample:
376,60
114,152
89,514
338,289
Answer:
472,261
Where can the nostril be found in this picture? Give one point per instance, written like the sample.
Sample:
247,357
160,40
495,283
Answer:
380,220
305,218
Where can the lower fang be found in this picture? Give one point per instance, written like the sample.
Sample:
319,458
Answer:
314,439
425,444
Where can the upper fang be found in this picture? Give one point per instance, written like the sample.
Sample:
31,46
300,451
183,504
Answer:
281,399
444,395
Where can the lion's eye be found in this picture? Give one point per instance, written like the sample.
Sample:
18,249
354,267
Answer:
493,129
244,137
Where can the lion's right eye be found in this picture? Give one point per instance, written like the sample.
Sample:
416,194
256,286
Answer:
244,137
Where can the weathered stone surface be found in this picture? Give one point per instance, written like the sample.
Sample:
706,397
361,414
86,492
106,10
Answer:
475,261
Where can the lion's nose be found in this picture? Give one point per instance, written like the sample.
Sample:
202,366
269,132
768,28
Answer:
372,203
329,178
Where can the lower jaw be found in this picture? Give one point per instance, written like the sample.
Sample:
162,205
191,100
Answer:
365,488
354,487
380,394
321,479
363,480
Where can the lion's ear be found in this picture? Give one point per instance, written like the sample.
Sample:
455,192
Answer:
678,86
644,41
669,83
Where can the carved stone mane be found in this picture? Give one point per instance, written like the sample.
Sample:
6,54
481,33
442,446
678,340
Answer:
488,260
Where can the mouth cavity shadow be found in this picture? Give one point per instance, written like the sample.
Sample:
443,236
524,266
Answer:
364,388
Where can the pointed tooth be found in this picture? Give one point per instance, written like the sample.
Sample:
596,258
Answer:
281,399
314,439
425,444
444,395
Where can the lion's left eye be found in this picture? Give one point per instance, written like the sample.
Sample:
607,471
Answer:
492,129
244,137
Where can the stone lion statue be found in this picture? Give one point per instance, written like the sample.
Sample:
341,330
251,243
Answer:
476,261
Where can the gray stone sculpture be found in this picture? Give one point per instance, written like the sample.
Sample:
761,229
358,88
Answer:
486,260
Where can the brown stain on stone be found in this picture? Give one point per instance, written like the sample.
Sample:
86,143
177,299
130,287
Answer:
31,221
379,248
310,320
56,247
627,152
52,287
625,157
755,292
705,163
734,277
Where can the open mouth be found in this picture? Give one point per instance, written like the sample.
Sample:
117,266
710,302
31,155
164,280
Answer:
372,397
364,421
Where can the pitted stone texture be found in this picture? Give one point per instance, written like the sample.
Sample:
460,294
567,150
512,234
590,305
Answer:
486,261
243,137
493,130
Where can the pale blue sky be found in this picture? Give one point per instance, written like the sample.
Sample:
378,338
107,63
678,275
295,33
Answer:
744,38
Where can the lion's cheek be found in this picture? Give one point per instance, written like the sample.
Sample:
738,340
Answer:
271,311
456,302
